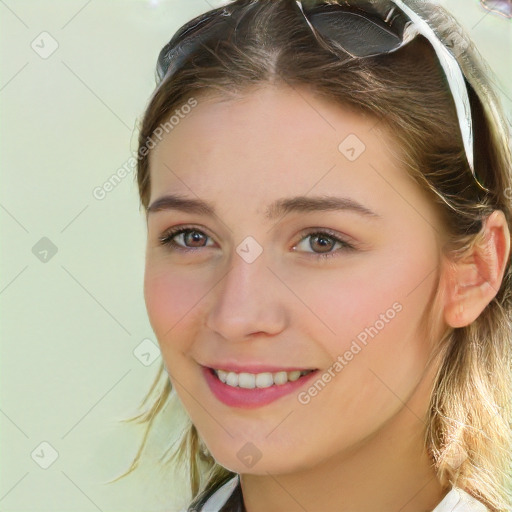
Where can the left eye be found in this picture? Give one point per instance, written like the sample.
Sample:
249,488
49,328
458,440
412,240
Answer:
325,242
321,243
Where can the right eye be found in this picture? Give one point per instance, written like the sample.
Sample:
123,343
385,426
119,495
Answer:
183,239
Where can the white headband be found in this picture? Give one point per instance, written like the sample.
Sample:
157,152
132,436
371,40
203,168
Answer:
453,74
417,25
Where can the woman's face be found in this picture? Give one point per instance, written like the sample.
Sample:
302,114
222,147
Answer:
319,253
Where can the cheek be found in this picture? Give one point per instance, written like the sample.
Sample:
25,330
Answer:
378,342
379,303
172,299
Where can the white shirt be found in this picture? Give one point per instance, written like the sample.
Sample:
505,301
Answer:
457,500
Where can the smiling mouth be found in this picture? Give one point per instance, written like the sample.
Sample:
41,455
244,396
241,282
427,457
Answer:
258,380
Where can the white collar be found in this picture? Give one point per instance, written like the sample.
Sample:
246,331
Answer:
457,500
216,501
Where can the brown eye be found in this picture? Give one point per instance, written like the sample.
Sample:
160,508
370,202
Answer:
194,238
322,244
184,238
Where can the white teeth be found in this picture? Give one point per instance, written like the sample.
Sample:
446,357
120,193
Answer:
247,380
232,379
280,378
258,380
222,375
294,375
264,380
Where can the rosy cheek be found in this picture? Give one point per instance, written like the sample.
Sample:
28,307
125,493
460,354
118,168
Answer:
173,300
349,306
165,300
341,303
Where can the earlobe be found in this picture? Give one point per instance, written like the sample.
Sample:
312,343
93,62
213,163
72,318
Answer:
472,282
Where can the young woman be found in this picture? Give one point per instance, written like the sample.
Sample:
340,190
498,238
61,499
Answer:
327,188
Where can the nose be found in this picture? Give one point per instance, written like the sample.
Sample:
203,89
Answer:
247,301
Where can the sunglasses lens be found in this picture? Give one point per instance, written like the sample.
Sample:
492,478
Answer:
359,35
189,38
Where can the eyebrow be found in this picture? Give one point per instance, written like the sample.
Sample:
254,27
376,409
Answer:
277,208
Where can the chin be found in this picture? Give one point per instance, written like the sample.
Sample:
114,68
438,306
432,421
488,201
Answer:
246,457
262,467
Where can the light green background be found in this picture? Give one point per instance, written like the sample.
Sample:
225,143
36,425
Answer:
70,325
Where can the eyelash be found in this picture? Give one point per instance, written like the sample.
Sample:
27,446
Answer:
167,239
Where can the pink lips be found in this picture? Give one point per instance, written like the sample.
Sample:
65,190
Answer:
252,398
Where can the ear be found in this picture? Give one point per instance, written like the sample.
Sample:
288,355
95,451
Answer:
473,281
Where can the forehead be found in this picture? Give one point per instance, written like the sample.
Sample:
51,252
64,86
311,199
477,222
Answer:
273,141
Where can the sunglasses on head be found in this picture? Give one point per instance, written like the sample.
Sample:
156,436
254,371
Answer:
351,27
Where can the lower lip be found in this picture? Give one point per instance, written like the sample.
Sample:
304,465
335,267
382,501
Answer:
251,398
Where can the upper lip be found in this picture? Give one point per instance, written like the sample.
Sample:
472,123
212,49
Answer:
254,367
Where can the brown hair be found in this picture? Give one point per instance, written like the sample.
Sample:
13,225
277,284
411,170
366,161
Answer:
468,430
